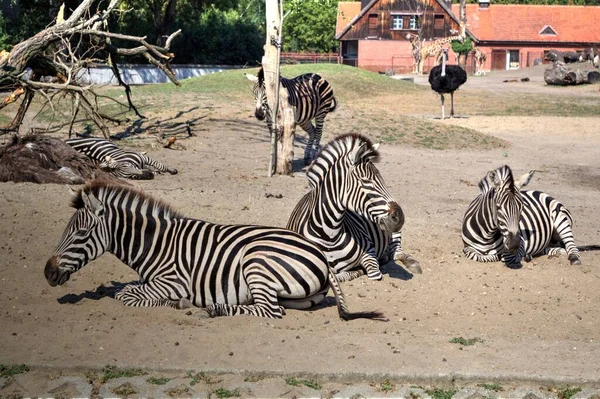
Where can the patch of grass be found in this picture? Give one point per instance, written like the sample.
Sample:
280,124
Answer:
254,378
298,381
201,377
125,389
386,386
567,392
112,372
158,380
9,370
491,387
226,393
438,393
465,341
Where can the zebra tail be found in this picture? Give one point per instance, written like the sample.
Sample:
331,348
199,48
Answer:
584,248
340,300
333,105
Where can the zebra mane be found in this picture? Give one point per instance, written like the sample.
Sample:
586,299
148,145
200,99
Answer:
338,148
101,189
260,75
503,174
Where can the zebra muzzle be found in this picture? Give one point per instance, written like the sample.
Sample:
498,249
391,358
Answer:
512,242
259,114
394,220
54,274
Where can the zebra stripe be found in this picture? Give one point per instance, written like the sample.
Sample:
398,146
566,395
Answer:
121,163
349,212
506,224
310,95
230,270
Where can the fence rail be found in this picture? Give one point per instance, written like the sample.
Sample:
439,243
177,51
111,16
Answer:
312,58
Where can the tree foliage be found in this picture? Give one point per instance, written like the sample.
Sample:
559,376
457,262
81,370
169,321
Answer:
310,25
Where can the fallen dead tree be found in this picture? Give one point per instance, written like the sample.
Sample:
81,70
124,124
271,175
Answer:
578,73
48,64
43,159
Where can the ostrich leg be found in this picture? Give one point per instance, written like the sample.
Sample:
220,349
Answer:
443,114
452,105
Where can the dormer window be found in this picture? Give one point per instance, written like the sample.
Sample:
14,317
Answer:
406,22
548,30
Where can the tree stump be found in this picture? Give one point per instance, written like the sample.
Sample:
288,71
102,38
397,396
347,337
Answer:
560,74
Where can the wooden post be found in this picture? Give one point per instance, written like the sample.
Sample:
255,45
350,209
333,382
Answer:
270,64
288,119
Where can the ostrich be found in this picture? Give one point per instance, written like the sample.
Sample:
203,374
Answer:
446,79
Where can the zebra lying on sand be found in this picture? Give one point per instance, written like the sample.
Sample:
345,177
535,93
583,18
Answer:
228,269
349,212
121,163
312,97
506,224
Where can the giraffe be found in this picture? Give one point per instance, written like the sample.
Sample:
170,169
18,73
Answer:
416,43
434,50
480,58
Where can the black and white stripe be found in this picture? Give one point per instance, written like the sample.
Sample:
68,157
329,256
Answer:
312,98
349,212
231,270
121,163
506,224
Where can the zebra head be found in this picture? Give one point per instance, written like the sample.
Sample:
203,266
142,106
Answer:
508,204
85,238
346,172
126,170
260,94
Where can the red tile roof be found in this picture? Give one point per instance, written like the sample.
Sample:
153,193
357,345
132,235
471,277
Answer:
347,10
520,22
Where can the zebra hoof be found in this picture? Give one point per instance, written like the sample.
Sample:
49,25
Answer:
414,267
575,260
184,303
173,171
376,277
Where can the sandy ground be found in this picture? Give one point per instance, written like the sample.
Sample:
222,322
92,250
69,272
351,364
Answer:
541,321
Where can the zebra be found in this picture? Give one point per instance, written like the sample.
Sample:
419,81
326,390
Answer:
183,262
349,212
127,164
506,224
312,98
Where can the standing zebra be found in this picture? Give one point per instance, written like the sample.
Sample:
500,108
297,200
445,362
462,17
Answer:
121,163
349,212
506,224
312,98
231,270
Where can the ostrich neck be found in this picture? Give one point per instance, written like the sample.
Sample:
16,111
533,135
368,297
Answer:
443,64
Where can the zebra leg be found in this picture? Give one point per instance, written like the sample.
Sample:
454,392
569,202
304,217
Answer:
564,234
305,303
319,121
349,276
371,265
470,253
158,292
308,150
395,249
263,291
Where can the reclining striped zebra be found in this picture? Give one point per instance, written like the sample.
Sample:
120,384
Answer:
312,97
506,224
349,212
183,262
121,163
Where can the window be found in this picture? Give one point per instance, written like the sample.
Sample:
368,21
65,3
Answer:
397,22
373,25
547,30
439,25
403,21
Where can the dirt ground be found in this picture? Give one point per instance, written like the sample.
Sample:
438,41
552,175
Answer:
541,321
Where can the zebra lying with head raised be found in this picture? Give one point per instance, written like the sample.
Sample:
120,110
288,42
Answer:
506,224
349,212
121,163
228,269
312,98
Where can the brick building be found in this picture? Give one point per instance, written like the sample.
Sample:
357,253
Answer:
372,34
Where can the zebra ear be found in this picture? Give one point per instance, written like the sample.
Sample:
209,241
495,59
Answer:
92,203
357,154
251,77
493,178
524,180
376,146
